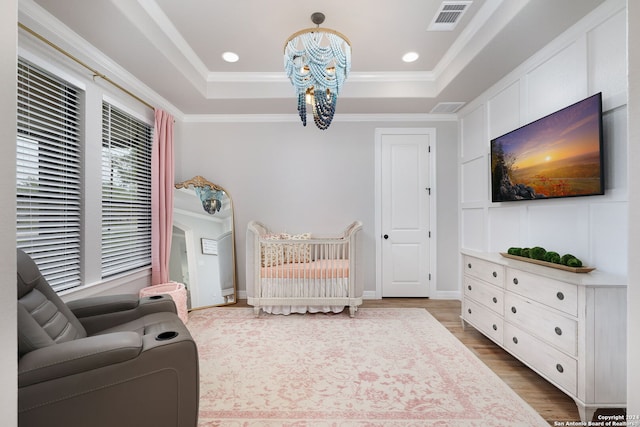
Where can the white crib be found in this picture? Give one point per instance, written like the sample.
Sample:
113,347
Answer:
302,273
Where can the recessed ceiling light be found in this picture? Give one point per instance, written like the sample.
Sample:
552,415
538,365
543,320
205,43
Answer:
410,56
230,57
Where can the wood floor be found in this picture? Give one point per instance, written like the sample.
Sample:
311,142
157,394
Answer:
551,404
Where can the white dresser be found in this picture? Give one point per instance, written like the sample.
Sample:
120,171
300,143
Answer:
568,327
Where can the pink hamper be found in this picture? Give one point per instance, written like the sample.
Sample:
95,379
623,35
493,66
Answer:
176,291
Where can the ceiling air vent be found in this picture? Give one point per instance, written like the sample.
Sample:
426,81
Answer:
447,107
448,15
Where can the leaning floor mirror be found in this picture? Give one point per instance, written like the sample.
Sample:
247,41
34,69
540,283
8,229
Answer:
202,245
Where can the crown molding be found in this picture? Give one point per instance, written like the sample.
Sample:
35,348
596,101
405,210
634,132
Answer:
579,30
354,76
294,118
39,20
163,23
469,33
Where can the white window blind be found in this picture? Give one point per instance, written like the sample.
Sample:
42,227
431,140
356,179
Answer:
49,174
126,191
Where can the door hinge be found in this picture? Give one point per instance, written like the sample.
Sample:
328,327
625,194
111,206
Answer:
429,276
429,233
429,149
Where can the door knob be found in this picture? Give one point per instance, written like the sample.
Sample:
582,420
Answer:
386,236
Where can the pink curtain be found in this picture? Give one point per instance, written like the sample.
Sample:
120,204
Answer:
162,181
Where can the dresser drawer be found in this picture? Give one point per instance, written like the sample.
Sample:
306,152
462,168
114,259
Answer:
484,270
553,328
485,320
488,295
559,295
553,364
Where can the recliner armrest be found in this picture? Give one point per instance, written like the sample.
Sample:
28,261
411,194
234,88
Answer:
74,357
99,313
95,306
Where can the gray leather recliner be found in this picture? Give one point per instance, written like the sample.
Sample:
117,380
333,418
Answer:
104,361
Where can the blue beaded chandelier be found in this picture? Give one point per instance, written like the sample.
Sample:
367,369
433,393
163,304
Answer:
317,61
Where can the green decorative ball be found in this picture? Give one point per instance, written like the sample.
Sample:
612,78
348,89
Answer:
553,257
538,253
565,259
515,251
574,262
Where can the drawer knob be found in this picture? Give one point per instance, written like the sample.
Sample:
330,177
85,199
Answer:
515,280
513,310
494,274
469,265
469,310
469,287
558,331
560,296
495,327
559,368
495,300
515,340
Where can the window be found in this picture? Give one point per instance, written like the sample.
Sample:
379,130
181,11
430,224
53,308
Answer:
54,177
126,192
49,174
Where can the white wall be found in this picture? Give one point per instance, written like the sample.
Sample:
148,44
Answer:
589,58
633,291
300,179
8,360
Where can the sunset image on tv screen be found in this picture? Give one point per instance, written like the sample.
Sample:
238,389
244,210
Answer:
556,156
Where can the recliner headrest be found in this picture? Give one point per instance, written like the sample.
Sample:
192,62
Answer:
28,274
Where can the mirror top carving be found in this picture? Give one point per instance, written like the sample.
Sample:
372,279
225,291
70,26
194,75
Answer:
212,196
198,181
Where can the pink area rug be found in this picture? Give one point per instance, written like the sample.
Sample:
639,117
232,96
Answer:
385,367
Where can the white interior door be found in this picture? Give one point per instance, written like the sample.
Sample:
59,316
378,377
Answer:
405,212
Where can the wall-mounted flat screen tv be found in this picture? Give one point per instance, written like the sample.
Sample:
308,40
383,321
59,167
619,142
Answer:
559,155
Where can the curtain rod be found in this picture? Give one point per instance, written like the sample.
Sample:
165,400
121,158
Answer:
94,71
